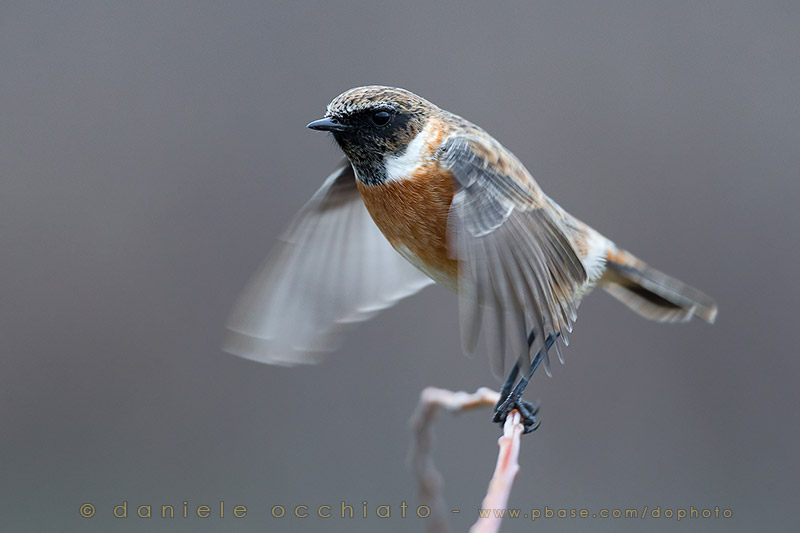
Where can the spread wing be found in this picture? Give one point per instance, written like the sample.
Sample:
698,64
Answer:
518,270
332,268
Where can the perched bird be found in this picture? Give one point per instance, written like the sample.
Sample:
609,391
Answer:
425,196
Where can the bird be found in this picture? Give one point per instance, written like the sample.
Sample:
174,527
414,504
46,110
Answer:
424,196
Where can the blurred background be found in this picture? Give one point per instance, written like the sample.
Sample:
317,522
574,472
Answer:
151,152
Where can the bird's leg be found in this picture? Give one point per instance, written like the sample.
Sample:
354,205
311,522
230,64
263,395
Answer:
508,386
511,396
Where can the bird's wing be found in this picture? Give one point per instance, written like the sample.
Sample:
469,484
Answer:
519,272
332,268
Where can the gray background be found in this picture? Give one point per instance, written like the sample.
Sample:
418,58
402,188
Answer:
151,152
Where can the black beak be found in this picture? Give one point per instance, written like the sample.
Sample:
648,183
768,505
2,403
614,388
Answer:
327,124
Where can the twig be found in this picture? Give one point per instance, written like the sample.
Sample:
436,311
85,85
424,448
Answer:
429,480
503,478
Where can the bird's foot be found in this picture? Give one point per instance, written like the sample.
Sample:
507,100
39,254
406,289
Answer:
527,411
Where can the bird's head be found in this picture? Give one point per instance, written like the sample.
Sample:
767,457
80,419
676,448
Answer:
374,123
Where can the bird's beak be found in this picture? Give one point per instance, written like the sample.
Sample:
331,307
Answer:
328,124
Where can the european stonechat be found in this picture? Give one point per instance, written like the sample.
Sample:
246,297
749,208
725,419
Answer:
425,196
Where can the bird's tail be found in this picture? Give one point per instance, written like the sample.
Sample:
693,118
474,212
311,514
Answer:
652,293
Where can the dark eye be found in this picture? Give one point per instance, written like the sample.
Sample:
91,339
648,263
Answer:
381,118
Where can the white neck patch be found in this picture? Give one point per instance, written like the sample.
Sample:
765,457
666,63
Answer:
401,167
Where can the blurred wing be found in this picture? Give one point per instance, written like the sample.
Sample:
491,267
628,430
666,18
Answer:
332,268
519,272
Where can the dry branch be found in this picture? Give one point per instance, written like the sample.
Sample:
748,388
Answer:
429,480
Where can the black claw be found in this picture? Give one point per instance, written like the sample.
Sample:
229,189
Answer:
531,429
527,412
511,396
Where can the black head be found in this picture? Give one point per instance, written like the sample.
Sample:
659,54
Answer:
373,122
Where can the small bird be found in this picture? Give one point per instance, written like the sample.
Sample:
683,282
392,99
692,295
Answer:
425,196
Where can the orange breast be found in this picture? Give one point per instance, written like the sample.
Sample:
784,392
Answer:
412,214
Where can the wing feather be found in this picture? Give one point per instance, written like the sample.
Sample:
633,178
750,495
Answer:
519,272
332,268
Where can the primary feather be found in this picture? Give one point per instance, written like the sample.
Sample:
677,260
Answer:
332,268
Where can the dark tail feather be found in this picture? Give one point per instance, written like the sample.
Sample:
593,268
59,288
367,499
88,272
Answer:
652,293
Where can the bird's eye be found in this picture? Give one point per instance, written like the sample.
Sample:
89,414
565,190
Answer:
381,118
